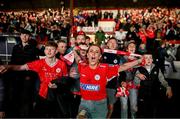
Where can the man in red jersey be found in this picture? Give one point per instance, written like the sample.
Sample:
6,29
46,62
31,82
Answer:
48,69
142,35
93,79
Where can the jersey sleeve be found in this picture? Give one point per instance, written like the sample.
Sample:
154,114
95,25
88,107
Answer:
34,66
112,71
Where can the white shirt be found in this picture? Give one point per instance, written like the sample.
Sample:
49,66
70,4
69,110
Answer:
120,35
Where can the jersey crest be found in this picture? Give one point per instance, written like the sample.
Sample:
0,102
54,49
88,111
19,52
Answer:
97,77
58,70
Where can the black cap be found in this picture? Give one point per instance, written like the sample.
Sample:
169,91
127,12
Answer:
24,31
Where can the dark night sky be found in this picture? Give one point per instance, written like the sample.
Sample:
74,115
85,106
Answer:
88,3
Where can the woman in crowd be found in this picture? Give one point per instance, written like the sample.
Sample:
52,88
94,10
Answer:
93,79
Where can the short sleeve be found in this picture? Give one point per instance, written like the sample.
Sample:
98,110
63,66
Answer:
34,66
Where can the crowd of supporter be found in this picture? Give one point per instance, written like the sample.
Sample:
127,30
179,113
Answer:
166,18
141,31
43,24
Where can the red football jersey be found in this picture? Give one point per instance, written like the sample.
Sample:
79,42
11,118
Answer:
93,81
142,37
151,34
47,73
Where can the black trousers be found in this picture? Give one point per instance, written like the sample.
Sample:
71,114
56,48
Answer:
19,94
147,108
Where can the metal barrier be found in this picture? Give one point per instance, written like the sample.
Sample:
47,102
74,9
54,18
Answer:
7,42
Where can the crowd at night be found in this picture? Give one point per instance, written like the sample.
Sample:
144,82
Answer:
57,70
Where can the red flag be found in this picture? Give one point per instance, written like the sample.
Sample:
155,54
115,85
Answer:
68,58
122,92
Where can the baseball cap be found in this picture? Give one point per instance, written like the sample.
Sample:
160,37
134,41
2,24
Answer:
24,31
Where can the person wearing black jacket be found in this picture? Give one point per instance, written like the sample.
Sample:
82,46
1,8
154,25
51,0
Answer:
160,57
21,84
111,85
150,88
132,35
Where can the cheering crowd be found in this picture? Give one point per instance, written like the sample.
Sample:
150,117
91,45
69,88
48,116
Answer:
54,74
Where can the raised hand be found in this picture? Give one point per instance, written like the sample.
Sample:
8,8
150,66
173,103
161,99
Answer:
3,68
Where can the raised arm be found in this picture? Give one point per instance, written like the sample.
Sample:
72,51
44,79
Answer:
76,56
4,68
128,65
